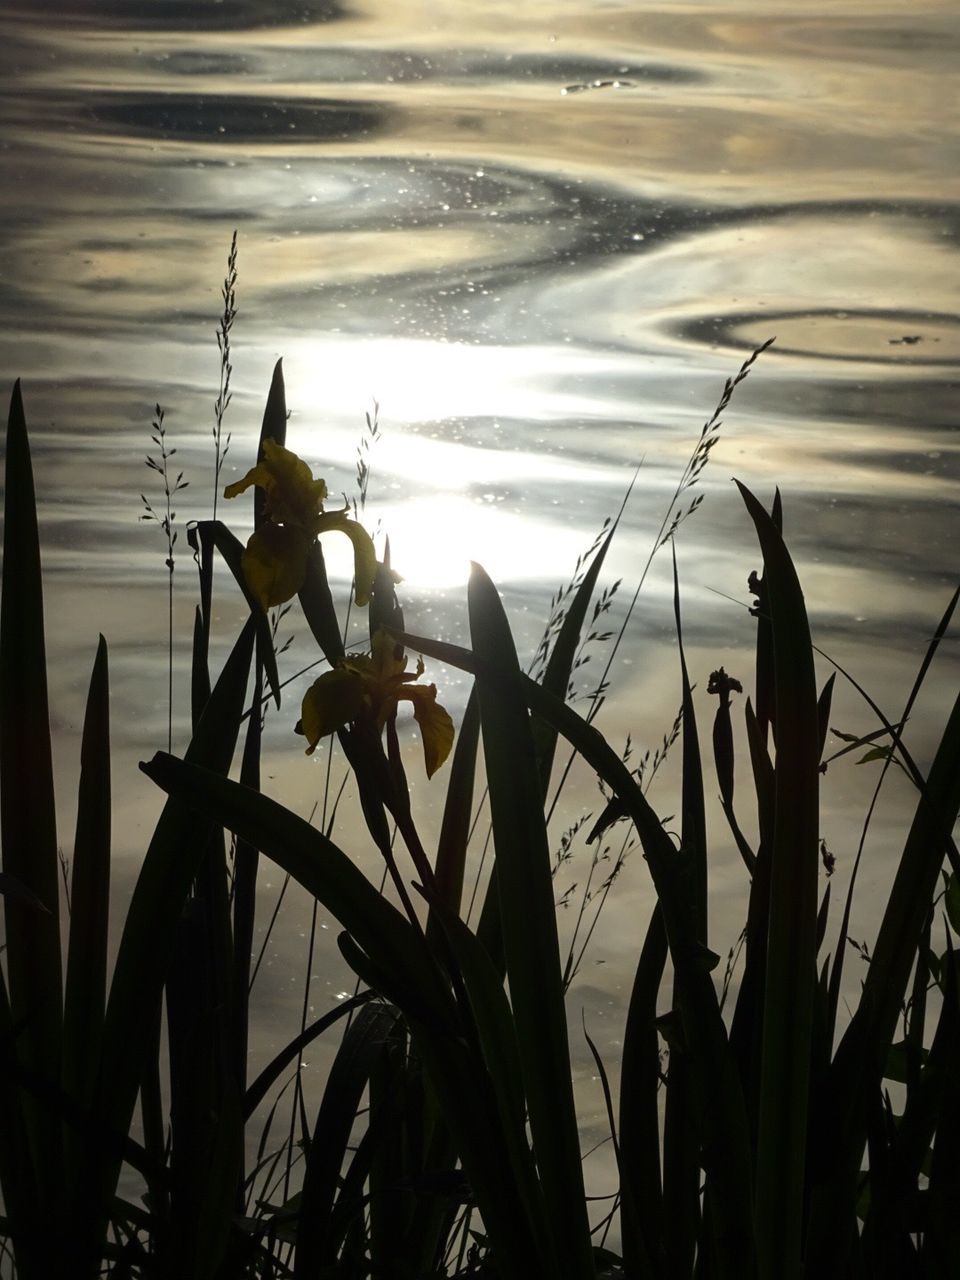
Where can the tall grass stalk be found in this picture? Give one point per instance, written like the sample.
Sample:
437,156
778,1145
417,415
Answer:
228,293
165,519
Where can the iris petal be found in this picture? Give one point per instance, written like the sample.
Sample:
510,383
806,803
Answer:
275,563
292,495
364,555
436,727
256,475
332,701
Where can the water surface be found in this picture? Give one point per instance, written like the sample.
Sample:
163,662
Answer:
541,237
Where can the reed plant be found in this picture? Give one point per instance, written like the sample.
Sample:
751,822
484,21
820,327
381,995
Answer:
446,1140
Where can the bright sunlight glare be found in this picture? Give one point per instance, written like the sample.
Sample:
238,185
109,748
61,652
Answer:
442,498
434,538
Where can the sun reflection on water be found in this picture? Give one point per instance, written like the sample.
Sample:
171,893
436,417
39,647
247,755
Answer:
433,540
450,482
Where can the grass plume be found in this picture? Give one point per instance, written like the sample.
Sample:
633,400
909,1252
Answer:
165,519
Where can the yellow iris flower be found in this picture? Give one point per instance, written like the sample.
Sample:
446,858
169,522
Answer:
374,684
275,560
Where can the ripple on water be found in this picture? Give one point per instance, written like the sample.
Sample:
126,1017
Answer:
147,15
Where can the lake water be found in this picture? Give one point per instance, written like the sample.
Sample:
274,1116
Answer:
540,236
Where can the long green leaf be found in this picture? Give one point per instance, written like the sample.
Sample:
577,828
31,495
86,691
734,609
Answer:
746,1030
169,868
724,757
727,1148
855,1072
342,1095
496,1043
556,675
205,1130
528,917
556,679
271,1073
464,1092
641,1213
231,548
246,859
765,695
468,1103
791,946
942,1242
86,984
316,600
27,822
928,1100
836,975
316,862
455,827
914,884
273,427
206,1077
396,1114
24,1209
393,948
86,981
682,1124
